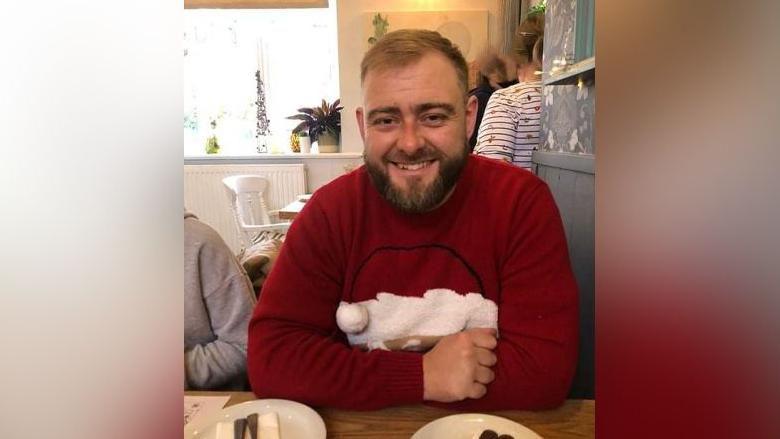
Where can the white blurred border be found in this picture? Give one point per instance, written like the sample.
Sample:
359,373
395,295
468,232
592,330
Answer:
90,183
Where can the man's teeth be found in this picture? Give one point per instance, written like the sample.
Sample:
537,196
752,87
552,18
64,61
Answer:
413,166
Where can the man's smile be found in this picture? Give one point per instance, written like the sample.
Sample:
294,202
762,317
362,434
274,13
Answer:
413,166
418,168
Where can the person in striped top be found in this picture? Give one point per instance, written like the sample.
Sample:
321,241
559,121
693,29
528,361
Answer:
510,127
496,71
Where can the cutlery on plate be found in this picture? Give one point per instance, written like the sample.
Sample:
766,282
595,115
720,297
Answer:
239,425
251,421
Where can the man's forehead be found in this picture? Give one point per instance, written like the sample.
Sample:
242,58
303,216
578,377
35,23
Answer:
431,63
410,86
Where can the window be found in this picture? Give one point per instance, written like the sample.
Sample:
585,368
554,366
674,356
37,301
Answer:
584,36
295,51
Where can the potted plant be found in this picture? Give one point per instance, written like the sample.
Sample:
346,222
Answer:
212,144
304,141
323,124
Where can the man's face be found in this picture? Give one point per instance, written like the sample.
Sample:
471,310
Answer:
415,124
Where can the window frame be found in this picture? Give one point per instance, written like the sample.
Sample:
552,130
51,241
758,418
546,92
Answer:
254,4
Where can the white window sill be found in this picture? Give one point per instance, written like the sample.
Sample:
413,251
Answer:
259,158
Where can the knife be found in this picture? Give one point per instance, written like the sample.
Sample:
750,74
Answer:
239,425
252,424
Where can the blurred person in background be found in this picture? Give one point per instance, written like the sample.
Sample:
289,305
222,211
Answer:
510,127
495,71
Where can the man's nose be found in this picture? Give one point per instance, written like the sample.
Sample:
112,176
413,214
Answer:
410,139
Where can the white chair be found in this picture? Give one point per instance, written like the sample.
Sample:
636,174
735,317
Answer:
250,211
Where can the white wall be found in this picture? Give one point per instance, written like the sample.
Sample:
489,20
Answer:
321,171
350,25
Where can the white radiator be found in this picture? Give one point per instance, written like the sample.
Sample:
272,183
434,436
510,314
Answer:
205,196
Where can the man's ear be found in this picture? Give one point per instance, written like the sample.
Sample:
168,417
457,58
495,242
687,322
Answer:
471,116
359,116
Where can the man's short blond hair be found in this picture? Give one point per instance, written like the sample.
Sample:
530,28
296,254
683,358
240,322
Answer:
403,47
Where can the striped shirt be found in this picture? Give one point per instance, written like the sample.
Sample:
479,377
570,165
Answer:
510,127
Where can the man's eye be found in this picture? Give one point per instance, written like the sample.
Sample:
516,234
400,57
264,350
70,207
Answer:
434,118
382,121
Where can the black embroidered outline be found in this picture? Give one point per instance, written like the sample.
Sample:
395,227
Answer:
415,247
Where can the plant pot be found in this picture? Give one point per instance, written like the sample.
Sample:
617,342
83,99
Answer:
305,144
328,142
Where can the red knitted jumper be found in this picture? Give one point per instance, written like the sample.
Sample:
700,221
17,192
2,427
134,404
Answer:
499,234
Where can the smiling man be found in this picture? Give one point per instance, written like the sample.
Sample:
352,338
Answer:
427,225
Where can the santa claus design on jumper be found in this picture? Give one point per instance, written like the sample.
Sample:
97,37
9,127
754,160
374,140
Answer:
423,293
394,322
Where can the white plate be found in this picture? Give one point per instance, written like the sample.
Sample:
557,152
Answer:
467,425
304,198
296,421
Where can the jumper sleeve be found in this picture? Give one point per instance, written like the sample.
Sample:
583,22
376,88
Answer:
538,313
229,301
295,349
496,136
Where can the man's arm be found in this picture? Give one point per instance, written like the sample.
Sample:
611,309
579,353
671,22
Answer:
538,314
295,349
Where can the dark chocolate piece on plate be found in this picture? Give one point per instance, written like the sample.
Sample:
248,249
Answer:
488,434
505,436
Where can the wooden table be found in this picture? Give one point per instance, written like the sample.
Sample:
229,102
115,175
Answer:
574,419
289,211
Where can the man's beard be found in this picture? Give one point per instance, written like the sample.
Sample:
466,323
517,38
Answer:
418,198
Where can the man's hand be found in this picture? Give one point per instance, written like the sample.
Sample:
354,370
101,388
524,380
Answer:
458,367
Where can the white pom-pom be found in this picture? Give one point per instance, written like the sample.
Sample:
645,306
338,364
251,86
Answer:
351,317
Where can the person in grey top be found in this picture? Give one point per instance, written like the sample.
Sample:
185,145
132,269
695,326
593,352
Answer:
218,303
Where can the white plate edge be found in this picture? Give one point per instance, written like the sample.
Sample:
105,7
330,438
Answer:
190,428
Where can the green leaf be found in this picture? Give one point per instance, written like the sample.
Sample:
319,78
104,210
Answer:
300,127
318,119
301,117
